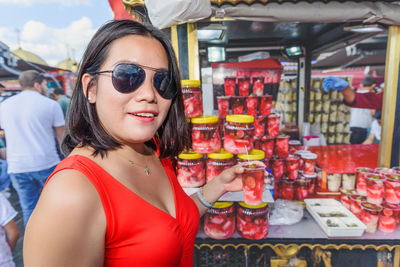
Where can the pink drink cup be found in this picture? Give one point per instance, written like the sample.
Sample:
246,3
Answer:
253,182
375,188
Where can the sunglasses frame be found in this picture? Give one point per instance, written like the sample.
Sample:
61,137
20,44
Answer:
156,70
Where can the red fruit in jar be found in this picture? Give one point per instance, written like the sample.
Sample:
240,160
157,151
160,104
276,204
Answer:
265,105
230,85
190,170
259,126
278,168
273,125
387,224
223,106
250,182
282,146
252,105
219,221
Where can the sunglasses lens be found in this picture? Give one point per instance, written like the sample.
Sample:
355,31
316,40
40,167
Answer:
164,85
128,77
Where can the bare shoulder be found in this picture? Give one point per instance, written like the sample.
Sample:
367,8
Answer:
68,220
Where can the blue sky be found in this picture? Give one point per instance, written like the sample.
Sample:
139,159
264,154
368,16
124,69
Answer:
52,29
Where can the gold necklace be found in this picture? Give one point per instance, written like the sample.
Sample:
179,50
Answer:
146,168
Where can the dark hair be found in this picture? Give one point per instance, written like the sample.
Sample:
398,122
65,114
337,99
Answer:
83,126
58,91
378,114
368,81
29,77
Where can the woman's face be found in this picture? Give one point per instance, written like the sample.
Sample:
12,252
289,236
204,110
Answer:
133,117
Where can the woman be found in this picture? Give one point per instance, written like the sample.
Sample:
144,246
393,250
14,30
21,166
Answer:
115,200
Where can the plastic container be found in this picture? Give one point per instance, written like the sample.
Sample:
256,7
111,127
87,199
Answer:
190,169
230,86
259,126
288,188
370,215
205,134
268,146
252,105
219,221
265,105
383,170
375,188
217,163
294,145
244,86
389,217
192,98
313,182
361,180
292,167
278,168
253,182
258,85
345,197
334,182
348,181
302,188
355,204
223,106
239,132
310,160
252,221
238,104
273,122
282,146
392,188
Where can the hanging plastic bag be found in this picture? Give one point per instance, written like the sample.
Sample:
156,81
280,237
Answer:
164,14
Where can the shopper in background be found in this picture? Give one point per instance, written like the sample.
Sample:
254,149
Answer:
361,118
31,121
375,134
9,233
62,99
369,100
115,200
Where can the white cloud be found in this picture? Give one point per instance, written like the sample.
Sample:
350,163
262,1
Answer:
28,3
52,44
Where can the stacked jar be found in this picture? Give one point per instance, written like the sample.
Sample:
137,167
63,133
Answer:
238,133
252,221
192,98
217,163
190,169
219,221
205,134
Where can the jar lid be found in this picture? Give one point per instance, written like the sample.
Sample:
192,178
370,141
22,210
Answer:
244,205
190,83
190,155
309,156
240,118
222,154
205,119
314,175
303,152
294,142
222,205
254,154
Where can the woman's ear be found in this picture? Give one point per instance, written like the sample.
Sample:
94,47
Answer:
89,88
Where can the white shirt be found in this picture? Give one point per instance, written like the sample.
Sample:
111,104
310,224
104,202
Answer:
376,129
7,213
28,120
360,117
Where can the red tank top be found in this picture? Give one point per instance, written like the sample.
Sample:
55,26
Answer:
139,234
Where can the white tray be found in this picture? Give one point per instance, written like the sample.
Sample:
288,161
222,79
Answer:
234,196
323,210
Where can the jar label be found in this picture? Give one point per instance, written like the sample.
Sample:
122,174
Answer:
188,163
204,128
234,127
219,163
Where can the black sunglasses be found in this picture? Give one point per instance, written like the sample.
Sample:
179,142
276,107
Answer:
127,78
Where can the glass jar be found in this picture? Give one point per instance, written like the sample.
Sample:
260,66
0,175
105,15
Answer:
265,105
389,217
361,180
218,162
223,106
310,160
192,98
273,122
288,187
301,161
258,85
230,86
375,188
294,145
282,146
268,146
392,188
302,188
244,86
345,197
252,221
205,134
383,170
278,168
355,204
292,167
238,103
252,105
219,221
239,132
190,169
313,182
370,216
259,126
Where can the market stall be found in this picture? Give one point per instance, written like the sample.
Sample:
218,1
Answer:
239,234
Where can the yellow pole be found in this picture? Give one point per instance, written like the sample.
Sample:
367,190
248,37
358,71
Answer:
389,96
193,52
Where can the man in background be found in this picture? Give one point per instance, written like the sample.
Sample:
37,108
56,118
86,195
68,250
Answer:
31,122
62,99
361,118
